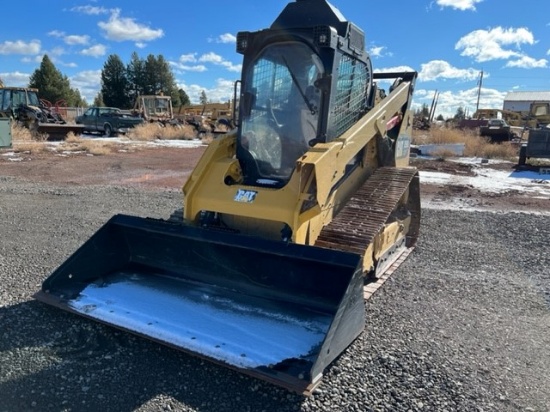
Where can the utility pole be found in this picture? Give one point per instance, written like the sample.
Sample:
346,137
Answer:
479,89
434,105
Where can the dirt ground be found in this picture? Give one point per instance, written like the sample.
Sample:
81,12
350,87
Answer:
464,326
154,168
163,168
469,197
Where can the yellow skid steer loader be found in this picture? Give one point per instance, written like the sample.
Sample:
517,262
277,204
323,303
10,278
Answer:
283,221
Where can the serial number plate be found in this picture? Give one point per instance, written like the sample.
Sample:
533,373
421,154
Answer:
245,196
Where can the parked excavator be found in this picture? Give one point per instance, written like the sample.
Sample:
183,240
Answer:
284,219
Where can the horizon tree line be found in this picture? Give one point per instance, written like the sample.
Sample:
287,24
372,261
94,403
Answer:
121,83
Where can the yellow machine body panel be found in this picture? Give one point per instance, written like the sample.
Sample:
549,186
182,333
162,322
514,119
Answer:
319,180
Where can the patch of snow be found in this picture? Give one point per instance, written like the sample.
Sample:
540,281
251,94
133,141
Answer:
149,143
477,161
205,320
494,181
432,149
177,143
487,180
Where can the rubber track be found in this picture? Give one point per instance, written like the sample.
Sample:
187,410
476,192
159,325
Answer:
364,216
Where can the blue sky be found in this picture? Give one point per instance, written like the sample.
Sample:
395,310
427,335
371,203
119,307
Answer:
449,42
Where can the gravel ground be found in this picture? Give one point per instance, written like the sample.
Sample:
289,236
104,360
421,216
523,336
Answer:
463,325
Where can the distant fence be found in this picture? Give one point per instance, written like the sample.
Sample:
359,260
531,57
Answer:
70,113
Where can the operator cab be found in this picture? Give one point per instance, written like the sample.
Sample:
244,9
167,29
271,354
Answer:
281,111
300,85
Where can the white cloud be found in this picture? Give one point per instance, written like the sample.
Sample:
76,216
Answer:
124,28
526,62
188,58
212,58
459,4
75,39
88,83
72,39
221,92
224,38
449,101
486,45
377,51
53,54
15,79
182,67
388,82
56,51
220,61
20,47
441,70
394,69
95,51
92,10
56,33
141,45
35,59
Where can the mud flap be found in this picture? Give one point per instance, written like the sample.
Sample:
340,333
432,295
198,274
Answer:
278,311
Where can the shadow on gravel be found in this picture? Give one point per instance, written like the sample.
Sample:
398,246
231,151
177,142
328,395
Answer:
52,360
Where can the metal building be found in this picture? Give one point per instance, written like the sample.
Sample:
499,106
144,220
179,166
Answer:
521,101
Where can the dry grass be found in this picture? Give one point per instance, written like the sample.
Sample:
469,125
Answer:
481,147
29,147
443,135
23,140
74,143
154,131
474,145
20,133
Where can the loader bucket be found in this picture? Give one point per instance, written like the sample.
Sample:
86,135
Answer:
278,311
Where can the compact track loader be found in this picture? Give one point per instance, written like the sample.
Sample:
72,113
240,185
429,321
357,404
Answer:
283,220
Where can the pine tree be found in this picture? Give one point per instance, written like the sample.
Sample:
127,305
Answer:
460,113
53,86
152,76
98,101
203,98
135,75
114,83
76,99
184,98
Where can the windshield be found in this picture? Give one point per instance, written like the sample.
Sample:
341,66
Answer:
283,111
24,97
33,98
